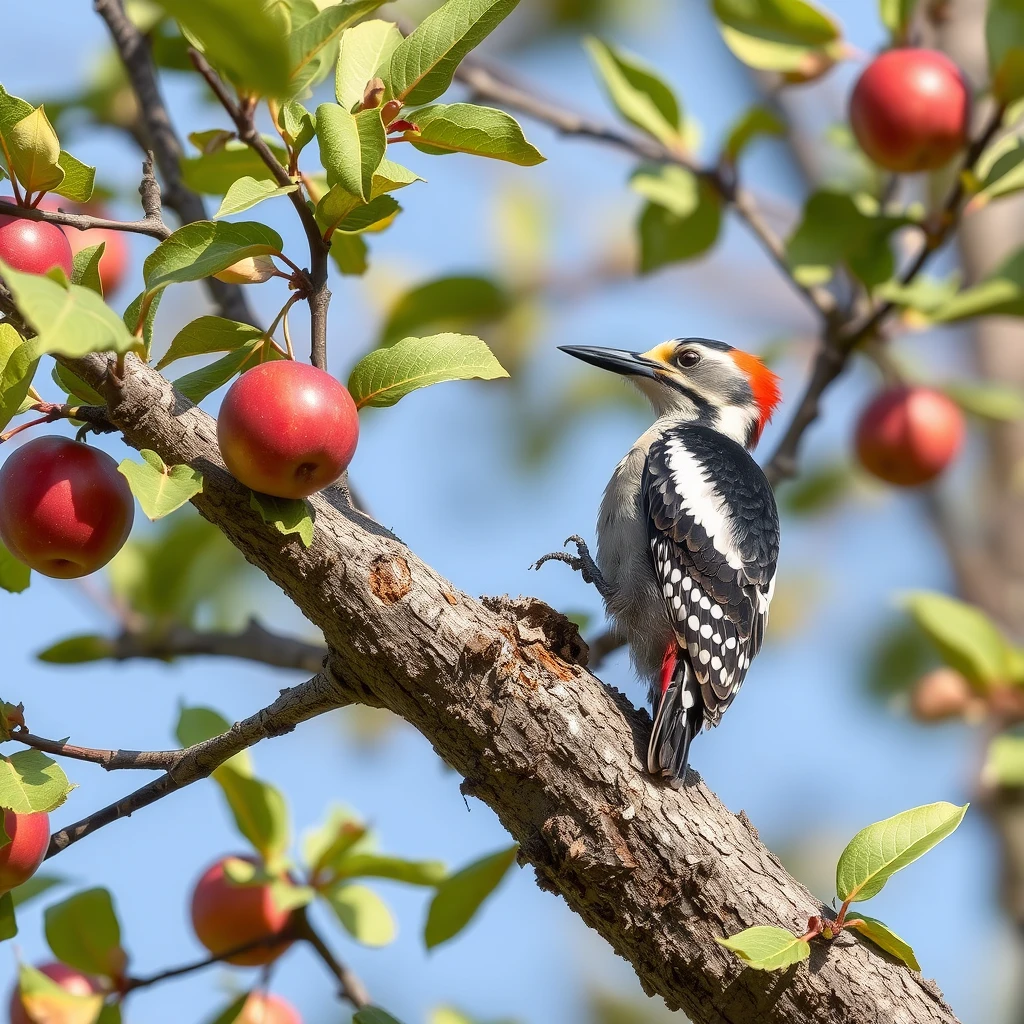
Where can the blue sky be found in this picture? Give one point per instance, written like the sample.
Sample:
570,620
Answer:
803,751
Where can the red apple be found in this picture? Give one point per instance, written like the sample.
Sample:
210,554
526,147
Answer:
65,510
33,246
21,857
910,110
226,916
114,261
264,1008
287,429
908,435
68,978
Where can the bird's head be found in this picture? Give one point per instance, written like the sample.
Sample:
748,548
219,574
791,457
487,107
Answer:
698,379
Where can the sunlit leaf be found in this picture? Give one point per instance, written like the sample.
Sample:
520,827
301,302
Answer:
765,948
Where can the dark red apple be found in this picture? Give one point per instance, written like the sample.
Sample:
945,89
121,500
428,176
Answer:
226,916
32,246
65,510
264,1008
287,429
908,435
21,857
910,110
68,978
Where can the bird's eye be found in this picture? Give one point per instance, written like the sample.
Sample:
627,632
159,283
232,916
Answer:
687,358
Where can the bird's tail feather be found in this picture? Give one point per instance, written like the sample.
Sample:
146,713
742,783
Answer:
678,718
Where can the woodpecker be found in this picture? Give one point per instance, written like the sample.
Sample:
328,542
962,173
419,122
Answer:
687,534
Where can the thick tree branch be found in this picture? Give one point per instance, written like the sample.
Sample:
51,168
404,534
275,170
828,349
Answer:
500,689
323,693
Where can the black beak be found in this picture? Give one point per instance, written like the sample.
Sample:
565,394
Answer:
617,360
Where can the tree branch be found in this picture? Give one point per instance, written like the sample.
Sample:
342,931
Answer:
152,760
350,987
501,691
323,693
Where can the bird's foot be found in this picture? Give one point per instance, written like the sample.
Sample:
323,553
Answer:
582,562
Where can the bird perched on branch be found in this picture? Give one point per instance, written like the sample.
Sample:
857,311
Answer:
688,534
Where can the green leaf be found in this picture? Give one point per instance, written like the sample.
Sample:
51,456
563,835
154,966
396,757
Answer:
349,253
34,887
76,650
298,125
390,176
243,39
637,92
885,938
877,852
375,865
260,812
233,1011
373,1015
83,931
195,725
681,222
31,781
817,490
246,192
1004,35
838,228
999,171
45,1000
319,37
214,173
68,320
195,386
8,922
339,210
777,35
362,913
15,575
896,15
423,65
135,310
765,948
35,152
1001,293
987,400
74,387
18,362
965,636
209,334
159,488
923,295
752,123
286,515
1004,761
78,180
469,128
364,53
205,248
351,147
327,847
389,374
445,303
460,896
85,267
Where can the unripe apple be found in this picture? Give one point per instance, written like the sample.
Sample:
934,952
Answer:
65,510
908,435
910,110
940,694
31,246
226,916
264,1008
287,429
251,270
68,978
21,857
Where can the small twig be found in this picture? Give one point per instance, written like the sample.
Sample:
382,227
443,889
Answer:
154,227
350,987
111,760
93,415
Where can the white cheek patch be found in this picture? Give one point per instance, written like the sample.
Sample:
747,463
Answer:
700,500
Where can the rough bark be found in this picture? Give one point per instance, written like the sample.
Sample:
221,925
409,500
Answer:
500,689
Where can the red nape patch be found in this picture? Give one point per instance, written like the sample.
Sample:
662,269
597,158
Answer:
763,383
668,665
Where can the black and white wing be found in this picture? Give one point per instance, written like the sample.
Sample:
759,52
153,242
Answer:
713,529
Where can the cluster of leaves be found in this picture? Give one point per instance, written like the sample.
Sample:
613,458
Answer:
870,859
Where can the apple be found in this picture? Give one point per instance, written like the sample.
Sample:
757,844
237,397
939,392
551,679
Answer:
65,510
31,246
115,258
910,110
226,915
287,429
941,694
68,978
21,857
264,1008
908,435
